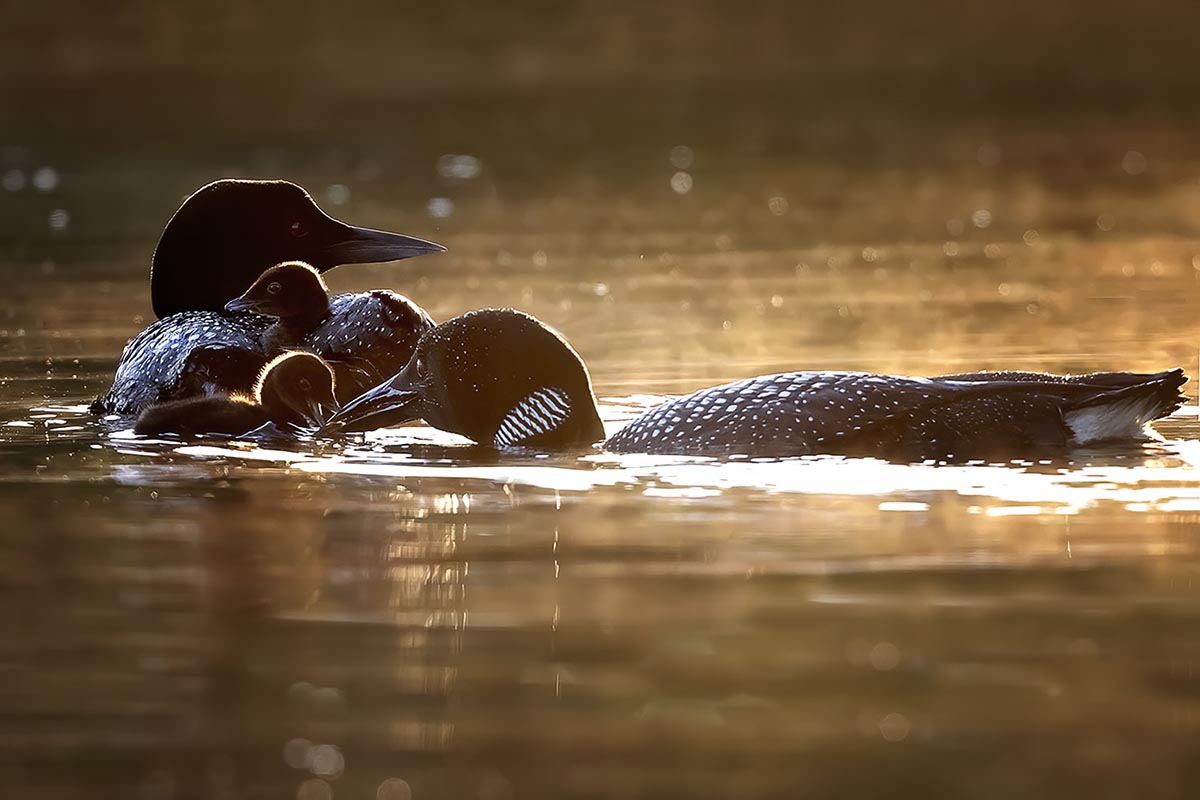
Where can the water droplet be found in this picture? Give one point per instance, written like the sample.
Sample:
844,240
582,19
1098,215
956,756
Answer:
982,218
59,219
1106,222
778,205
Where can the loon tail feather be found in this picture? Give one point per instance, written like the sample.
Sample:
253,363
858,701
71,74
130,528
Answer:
1124,412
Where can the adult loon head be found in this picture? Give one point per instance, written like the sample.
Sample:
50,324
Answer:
496,376
292,291
226,234
295,390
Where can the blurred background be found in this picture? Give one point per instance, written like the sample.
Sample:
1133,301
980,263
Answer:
692,191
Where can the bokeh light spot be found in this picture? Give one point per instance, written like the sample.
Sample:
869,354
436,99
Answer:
894,727
459,166
394,789
440,207
45,179
13,180
1134,163
314,789
338,194
682,156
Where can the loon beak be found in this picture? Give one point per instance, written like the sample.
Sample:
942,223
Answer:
242,303
320,413
387,404
366,246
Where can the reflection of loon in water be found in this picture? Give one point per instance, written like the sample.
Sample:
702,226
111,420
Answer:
296,390
502,378
218,243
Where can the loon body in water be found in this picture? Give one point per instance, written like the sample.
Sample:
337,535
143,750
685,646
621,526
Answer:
215,246
502,378
296,390
308,318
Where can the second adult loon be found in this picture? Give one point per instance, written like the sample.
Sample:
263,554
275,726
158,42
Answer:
220,240
502,378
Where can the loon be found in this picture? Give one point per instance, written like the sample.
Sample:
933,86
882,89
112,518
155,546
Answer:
216,245
499,377
307,318
296,390
504,379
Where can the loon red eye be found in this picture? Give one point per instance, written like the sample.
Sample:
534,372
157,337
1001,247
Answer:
305,385
298,230
274,287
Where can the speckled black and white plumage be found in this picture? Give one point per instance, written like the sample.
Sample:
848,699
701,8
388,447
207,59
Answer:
367,336
155,366
845,413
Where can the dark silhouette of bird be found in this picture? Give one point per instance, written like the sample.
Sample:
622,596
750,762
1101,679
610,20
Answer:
215,246
502,378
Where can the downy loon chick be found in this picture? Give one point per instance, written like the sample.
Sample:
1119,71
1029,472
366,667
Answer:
527,387
219,241
294,391
307,317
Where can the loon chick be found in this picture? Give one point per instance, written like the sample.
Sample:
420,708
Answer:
545,388
296,390
307,317
498,377
219,241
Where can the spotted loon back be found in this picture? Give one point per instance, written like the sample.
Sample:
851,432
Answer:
961,416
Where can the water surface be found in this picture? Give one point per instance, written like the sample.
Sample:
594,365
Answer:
406,615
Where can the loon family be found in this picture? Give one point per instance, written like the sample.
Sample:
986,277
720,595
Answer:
248,338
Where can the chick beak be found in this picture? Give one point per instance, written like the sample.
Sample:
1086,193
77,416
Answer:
242,303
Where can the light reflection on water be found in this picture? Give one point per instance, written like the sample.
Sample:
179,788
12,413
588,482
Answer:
408,616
